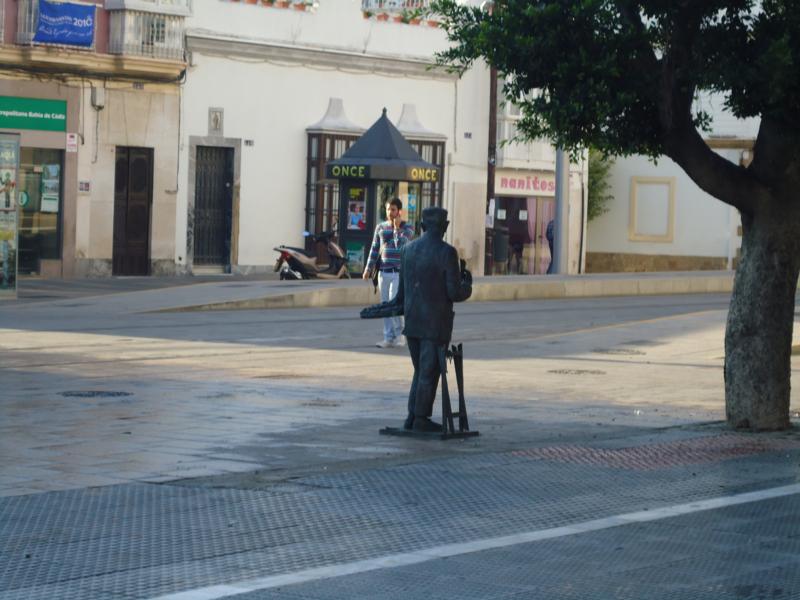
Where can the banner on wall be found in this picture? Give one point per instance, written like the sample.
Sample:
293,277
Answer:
65,23
9,168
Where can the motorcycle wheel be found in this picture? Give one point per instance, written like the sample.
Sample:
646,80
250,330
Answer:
289,274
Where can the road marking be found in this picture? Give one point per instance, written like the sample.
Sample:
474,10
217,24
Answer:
437,552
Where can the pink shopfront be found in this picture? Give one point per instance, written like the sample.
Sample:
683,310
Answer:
524,205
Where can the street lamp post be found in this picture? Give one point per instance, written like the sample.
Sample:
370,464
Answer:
561,221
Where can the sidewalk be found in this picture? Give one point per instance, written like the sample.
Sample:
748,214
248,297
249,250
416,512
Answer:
266,292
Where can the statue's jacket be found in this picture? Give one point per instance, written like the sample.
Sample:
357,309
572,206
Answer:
430,281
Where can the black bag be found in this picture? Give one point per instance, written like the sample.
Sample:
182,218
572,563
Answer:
375,272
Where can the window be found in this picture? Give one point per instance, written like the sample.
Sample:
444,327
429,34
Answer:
652,216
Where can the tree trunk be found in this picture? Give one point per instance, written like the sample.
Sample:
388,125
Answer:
758,339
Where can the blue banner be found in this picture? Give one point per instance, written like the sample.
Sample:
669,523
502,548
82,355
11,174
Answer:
65,23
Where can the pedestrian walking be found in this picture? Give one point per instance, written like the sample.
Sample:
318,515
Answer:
384,255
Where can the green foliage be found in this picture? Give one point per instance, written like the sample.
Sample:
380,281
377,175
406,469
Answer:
621,76
598,189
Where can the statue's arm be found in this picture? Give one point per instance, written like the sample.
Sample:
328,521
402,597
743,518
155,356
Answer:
458,278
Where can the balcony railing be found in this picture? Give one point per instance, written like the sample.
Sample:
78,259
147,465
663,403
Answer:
392,6
28,21
531,154
137,33
164,7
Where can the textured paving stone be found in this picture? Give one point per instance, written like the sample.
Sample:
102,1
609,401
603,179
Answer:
145,540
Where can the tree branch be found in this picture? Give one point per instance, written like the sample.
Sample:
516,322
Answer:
715,175
632,15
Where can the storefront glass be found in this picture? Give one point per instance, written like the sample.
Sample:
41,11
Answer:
520,237
40,201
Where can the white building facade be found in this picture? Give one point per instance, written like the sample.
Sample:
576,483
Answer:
659,220
273,92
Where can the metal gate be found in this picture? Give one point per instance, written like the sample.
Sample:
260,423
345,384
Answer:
213,206
133,195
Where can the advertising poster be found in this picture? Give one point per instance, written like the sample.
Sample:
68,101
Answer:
354,251
8,188
356,206
9,167
8,252
65,23
51,186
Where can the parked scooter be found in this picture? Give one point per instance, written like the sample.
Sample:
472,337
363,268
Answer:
298,263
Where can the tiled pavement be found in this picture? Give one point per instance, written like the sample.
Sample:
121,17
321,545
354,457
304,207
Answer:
145,541
149,454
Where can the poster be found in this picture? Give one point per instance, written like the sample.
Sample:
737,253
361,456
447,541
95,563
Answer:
65,23
8,188
356,209
8,251
9,167
51,187
354,251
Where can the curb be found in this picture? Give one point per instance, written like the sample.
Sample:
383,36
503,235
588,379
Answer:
492,291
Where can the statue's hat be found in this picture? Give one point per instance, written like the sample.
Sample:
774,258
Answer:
434,216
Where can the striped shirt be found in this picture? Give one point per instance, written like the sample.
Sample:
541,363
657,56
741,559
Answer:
386,243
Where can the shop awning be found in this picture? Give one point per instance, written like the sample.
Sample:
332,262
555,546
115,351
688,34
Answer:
382,153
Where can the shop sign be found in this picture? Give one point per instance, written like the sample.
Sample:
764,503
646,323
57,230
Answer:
9,168
33,113
72,142
422,174
65,23
348,171
524,183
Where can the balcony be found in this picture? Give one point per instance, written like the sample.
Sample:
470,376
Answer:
27,22
181,8
538,154
394,6
148,34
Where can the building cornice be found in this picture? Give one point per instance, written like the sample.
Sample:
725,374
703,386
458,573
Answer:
213,44
58,61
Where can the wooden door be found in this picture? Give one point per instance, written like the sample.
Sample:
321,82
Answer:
133,196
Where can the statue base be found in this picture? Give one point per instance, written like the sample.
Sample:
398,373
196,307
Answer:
426,435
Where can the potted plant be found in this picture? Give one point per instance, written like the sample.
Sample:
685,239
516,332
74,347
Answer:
382,16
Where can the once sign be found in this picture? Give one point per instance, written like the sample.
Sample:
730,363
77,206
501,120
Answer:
423,174
349,171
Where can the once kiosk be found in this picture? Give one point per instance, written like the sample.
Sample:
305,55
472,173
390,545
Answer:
380,166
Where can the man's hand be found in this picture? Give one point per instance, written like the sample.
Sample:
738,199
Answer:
365,275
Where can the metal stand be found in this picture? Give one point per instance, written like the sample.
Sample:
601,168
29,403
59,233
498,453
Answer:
456,354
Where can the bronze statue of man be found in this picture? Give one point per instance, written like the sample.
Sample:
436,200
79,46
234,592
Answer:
430,281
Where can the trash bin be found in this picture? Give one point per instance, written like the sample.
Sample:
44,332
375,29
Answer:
500,250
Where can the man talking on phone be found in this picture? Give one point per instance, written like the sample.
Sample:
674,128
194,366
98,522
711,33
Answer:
390,236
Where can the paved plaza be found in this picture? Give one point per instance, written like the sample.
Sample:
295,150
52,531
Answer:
196,455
